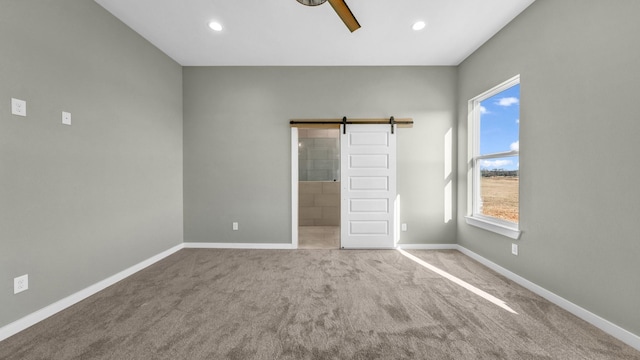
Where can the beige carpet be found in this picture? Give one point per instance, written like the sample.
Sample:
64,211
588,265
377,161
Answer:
322,304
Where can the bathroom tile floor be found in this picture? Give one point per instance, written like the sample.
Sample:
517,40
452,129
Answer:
318,237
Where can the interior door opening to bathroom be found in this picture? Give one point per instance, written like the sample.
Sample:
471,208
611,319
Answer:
318,188
344,187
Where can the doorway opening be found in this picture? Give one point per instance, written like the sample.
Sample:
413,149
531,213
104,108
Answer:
349,168
318,188
318,181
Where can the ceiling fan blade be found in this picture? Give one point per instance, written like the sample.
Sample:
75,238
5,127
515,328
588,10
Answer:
345,14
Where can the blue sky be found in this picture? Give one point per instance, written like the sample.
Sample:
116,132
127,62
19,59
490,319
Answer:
499,128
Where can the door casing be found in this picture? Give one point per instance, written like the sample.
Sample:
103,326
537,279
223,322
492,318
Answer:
393,205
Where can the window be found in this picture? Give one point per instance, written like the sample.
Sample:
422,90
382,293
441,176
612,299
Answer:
494,136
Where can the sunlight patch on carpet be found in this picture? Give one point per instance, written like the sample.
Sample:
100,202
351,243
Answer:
458,281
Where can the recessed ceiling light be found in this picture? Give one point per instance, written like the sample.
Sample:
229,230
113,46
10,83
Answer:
419,25
215,26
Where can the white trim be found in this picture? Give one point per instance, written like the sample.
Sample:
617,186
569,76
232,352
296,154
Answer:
494,226
474,200
47,311
256,246
498,89
427,246
294,187
607,326
498,155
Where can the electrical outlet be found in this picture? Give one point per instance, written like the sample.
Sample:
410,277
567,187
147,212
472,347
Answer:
235,226
514,249
66,118
18,107
404,227
21,283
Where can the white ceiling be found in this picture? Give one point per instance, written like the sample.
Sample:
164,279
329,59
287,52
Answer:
285,32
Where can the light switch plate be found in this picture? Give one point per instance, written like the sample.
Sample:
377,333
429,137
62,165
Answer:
66,118
18,107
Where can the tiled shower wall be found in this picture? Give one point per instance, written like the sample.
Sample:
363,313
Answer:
319,175
319,154
319,203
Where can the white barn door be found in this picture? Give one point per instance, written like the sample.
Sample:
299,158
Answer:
368,180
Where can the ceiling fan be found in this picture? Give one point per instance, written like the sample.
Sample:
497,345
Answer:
341,9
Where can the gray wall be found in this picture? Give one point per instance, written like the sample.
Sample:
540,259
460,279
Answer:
237,154
580,198
80,203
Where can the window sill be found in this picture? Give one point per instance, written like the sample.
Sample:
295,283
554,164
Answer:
494,226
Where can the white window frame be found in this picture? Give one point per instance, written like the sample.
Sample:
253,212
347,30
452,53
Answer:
474,217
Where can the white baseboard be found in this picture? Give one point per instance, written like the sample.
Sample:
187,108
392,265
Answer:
257,246
39,315
283,246
610,328
427,246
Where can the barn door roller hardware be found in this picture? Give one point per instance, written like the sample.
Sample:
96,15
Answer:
335,123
